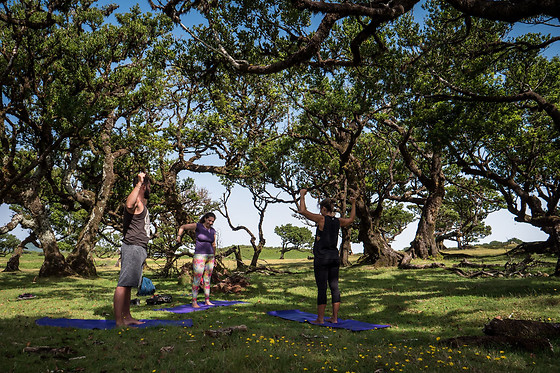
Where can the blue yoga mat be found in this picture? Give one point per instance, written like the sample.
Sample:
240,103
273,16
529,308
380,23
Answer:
186,308
300,316
107,324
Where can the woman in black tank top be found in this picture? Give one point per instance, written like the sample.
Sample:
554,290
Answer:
326,262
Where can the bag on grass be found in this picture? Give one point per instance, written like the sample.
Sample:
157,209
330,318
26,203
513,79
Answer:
159,299
146,287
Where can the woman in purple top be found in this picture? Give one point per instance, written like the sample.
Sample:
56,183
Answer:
204,253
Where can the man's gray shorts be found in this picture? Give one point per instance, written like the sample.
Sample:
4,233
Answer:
132,261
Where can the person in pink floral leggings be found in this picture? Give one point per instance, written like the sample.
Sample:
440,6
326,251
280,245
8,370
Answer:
204,253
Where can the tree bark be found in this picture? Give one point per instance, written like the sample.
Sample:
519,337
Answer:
262,241
554,244
376,250
345,246
81,260
261,208
257,249
346,243
54,263
239,260
424,243
13,262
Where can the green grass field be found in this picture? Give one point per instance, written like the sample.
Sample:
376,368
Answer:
422,306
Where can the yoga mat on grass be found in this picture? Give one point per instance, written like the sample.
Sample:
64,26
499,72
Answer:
300,316
186,308
107,324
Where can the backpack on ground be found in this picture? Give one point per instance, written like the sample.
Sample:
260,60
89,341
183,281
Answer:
146,287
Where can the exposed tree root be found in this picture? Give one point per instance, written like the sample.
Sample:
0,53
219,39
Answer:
524,334
510,269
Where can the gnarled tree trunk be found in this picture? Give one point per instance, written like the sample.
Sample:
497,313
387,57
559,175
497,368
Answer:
257,249
424,243
345,246
54,263
13,262
554,243
81,260
376,250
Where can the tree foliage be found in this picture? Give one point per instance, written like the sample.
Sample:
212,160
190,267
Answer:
293,238
434,104
8,243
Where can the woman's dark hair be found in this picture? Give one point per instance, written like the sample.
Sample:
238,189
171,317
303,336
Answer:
206,216
328,204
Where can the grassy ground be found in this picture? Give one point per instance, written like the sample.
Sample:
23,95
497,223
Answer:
423,307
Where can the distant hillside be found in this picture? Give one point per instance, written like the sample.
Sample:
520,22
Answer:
31,247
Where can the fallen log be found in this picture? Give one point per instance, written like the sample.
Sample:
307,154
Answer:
527,344
521,328
487,274
532,336
458,271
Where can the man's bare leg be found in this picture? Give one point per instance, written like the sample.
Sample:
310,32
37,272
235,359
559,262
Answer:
121,306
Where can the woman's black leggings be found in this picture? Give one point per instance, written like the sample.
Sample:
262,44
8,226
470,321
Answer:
326,272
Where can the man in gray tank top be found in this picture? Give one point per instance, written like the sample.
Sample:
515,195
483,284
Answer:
136,232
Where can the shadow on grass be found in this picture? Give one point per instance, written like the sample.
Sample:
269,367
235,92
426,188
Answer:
393,297
387,296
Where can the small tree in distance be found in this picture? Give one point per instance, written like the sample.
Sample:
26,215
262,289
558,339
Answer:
8,243
294,238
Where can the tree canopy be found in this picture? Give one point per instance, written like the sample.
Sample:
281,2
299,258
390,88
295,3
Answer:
437,107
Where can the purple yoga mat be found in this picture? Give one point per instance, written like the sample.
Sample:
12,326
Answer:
107,324
300,316
186,308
